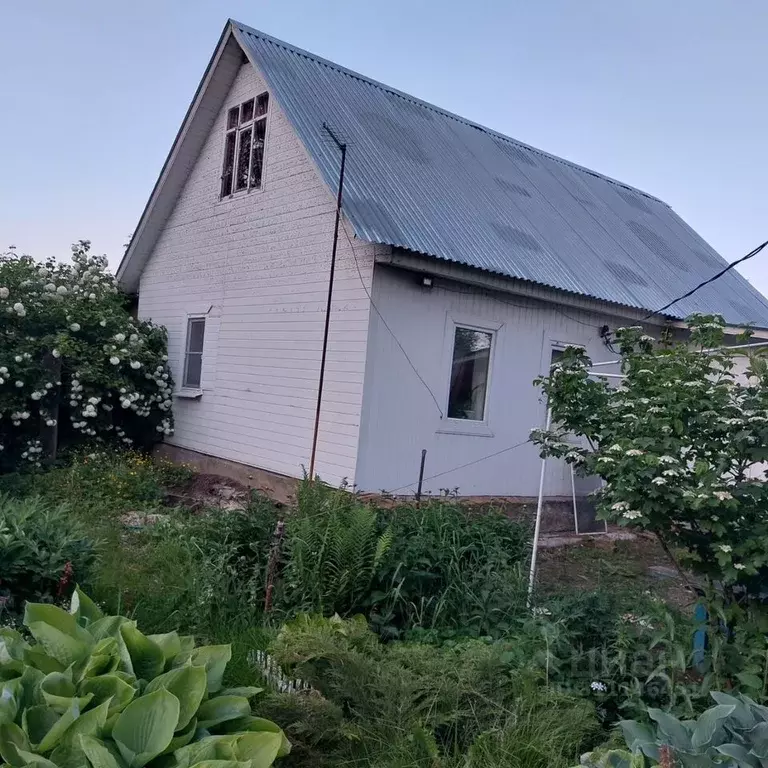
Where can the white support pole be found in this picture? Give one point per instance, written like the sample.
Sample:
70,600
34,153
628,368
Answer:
537,527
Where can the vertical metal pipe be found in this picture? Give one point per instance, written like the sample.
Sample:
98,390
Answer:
537,527
421,474
343,148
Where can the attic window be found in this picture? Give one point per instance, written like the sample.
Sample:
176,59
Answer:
244,146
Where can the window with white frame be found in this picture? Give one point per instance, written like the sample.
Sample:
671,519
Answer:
470,368
193,354
244,146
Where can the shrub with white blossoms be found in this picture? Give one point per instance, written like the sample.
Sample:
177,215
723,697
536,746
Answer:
679,444
68,341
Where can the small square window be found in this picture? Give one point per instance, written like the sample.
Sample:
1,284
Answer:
193,358
469,374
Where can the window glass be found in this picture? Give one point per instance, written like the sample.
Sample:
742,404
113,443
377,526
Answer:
232,117
246,112
243,159
262,104
229,164
469,374
193,359
257,163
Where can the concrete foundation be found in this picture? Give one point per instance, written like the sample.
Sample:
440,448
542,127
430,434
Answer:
557,512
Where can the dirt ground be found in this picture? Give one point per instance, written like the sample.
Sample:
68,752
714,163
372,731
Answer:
633,561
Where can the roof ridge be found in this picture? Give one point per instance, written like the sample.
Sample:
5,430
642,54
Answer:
434,108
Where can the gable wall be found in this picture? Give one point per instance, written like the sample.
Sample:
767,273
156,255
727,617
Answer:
258,265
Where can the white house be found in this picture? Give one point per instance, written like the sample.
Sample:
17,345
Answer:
465,261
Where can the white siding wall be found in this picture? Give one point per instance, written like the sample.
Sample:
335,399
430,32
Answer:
258,264
400,417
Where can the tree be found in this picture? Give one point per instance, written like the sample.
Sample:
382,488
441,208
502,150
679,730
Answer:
678,444
73,362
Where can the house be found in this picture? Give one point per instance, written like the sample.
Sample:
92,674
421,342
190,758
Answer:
466,260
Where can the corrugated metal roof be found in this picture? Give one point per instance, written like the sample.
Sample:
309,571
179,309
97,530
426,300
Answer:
426,180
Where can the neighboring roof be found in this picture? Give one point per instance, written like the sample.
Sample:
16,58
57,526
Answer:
423,179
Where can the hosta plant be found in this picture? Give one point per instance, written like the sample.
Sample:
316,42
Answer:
92,691
734,733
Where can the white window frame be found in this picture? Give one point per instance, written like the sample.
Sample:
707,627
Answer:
237,131
184,391
477,428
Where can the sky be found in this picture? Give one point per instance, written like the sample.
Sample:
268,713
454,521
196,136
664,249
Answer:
670,96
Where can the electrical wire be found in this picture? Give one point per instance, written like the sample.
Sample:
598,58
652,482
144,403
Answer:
712,279
464,466
386,325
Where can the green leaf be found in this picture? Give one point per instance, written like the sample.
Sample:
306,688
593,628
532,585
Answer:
207,748
182,738
9,705
60,694
12,645
708,724
249,691
215,659
758,738
57,729
13,739
188,685
221,764
109,687
30,758
147,657
222,708
260,747
82,605
57,632
99,756
678,735
170,644
36,657
110,626
751,681
69,753
37,721
145,727
737,752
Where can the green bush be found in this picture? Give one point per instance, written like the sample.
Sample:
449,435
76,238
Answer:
73,358
450,568
333,549
415,704
93,690
42,550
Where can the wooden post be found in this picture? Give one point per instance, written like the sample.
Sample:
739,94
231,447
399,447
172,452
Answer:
421,475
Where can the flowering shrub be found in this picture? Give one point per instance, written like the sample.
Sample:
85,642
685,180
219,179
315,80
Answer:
72,358
678,444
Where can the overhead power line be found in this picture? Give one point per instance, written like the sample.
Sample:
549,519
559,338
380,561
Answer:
712,279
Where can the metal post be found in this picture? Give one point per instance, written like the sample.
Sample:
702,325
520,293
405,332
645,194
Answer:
343,148
537,527
421,475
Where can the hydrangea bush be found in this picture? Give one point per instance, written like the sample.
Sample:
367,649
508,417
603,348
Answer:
679,445
73,358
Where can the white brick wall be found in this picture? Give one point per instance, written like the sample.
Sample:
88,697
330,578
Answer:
258,264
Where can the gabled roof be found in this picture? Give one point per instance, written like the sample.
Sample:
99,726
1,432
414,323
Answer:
425,180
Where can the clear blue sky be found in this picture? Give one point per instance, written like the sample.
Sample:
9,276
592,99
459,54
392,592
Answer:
668,95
